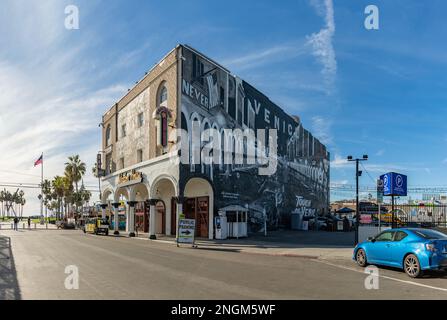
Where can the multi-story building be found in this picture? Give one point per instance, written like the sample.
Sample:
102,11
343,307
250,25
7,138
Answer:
149,182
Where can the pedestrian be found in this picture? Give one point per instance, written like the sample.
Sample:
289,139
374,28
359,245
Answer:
16,223
346,224
29,222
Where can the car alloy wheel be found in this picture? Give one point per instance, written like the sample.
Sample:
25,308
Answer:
361,257
412,266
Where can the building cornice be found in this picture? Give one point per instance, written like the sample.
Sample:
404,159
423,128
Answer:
166,157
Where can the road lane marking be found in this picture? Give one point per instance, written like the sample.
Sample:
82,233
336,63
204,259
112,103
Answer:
385,277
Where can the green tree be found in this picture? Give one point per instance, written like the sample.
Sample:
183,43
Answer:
74,171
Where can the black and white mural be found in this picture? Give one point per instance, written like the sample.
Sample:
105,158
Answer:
215,99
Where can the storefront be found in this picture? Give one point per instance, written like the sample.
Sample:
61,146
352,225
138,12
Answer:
198,209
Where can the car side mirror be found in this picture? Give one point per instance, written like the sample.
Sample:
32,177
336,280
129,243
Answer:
372,239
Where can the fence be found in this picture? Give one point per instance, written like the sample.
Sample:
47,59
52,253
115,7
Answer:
405,215
24,226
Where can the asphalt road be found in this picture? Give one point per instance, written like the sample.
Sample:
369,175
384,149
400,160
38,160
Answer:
33,265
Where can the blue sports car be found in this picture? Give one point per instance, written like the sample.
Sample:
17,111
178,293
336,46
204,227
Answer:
412,249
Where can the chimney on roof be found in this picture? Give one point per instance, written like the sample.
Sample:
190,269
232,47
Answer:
297,119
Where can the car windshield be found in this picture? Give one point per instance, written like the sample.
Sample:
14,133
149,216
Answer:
430,234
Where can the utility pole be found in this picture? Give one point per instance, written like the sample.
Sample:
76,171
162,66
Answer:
358,173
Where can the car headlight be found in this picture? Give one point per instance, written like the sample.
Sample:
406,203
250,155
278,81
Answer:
430,247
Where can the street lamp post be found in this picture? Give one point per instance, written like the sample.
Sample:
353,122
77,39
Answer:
99,171
358,173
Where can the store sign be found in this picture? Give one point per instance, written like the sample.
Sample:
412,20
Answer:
394,184
129,178
186,229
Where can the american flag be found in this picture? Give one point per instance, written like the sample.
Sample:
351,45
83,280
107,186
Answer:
39,161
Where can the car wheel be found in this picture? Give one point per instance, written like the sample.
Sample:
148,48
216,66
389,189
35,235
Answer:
412,267
360,257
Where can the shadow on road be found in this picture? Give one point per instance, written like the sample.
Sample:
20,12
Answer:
9,286
287,239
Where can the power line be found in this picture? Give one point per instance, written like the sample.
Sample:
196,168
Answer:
372,179
19,173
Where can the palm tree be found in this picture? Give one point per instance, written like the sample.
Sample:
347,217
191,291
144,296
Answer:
20,198
2,199
74,171
58,186
95,171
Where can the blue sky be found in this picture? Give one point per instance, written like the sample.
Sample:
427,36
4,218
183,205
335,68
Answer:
380,92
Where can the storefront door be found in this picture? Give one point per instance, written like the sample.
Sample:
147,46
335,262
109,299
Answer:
198,209
173,216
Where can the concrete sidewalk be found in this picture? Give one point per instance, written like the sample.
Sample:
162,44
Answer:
312,245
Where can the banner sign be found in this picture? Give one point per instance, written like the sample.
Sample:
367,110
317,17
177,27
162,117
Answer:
186,229
394,184
379,191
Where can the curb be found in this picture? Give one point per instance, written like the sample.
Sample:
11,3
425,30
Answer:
243,250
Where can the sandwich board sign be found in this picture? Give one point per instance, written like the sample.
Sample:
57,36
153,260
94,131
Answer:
186,229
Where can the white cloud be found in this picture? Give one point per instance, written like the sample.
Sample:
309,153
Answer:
339,162
264,56
47,103
321,42
321,129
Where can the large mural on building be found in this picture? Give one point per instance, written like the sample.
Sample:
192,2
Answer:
214,98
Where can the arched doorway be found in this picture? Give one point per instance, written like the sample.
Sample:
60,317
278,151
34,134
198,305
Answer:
122,197
160,219
107,198
140,194
199,205
163,191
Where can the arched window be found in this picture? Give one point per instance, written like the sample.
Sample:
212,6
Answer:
163,116
108,136
164,129
163,96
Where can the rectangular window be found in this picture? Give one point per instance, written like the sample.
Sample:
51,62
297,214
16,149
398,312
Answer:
140,120
109,168
123,131
140,155
122,163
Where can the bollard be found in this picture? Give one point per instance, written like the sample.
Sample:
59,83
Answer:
35,226
12,226
23,226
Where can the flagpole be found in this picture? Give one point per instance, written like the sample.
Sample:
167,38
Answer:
41,188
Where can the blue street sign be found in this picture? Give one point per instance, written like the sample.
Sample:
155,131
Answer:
394,184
